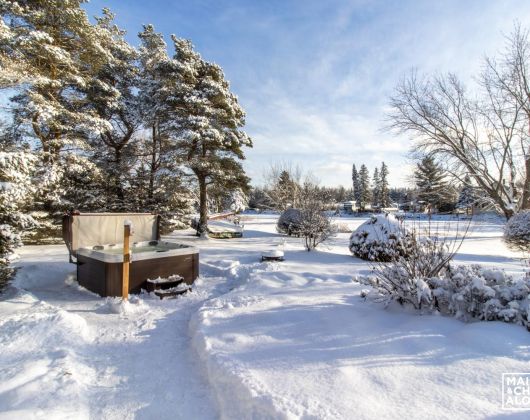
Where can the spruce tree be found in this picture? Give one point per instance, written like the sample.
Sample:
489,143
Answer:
384,189
364,187
206,124
376,189
468,196
356,186
430,179
285,191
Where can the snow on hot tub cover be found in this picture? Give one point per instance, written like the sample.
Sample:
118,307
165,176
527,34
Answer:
139,251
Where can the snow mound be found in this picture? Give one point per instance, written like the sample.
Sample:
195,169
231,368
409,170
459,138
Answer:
131,307
273,253
220,226
218,268
378,239
274,348
43,370
46,325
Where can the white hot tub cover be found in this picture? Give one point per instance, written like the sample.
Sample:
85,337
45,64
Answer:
86,230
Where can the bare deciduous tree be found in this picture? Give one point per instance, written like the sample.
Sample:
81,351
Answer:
283,184
486,137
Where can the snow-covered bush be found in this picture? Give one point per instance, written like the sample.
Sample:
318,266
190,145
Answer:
289,222
475,292
405,278
393,283
315,226
411,260
466,292
517,231
17,187
379,239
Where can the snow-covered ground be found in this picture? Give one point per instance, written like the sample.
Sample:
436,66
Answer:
253,340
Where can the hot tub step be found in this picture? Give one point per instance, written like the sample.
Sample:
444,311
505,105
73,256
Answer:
174,291
163,284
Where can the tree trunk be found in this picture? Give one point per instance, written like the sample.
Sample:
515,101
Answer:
203,208
525,198
153,165
118,187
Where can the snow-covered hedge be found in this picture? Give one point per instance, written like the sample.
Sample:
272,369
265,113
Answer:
379,239
289,222
517,230
466,292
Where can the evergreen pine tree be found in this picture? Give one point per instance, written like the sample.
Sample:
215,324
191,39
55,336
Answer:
364,187
53,55
431,182
157,83
206,124
341,194
376,189
384,189
115,148
468,196
357,193
59,53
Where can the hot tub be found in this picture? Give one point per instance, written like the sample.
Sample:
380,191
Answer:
100,265
99,268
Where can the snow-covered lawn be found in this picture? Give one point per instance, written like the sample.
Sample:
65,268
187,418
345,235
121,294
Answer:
253,340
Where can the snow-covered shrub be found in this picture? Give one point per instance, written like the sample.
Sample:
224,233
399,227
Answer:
466,292
405,278
475,292
411,262
315,226
289,222
394,283
379,239
17,187
517,231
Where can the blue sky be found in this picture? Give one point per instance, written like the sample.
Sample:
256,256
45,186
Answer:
314,76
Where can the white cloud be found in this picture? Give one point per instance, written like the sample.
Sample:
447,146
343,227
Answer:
315,76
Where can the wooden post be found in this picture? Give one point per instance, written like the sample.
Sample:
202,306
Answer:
126,261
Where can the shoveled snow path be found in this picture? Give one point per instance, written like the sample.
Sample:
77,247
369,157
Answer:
96,358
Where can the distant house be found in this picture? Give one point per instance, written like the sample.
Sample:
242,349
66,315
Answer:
348,206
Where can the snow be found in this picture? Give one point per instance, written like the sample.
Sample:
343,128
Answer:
273,253
379,228
252,340
220,226
67,353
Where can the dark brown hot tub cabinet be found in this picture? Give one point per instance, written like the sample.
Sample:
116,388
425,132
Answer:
99,255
